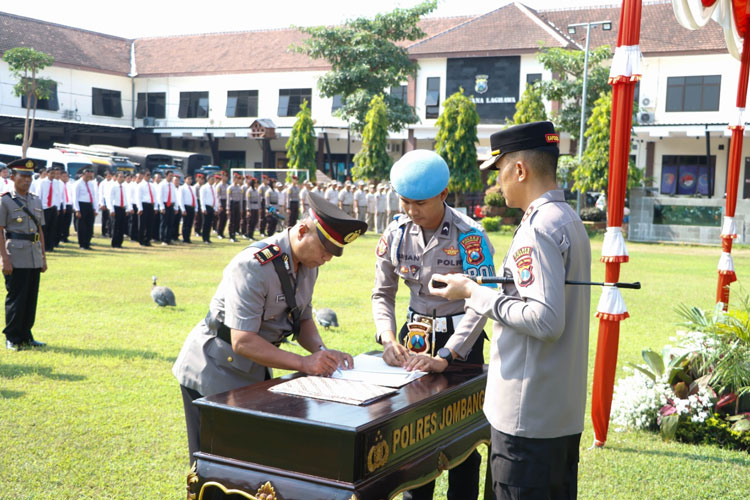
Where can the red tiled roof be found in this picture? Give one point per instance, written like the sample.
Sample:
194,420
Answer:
660,31
70,46
511,28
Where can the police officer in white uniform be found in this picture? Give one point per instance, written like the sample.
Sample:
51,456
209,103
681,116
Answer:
430,237
536,385
264,296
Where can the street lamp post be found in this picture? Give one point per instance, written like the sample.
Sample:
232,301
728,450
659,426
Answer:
606,26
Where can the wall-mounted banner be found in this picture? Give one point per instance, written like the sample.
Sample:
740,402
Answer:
492,82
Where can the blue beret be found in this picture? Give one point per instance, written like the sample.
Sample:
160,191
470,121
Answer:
420,174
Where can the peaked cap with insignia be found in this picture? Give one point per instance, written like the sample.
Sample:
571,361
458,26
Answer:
23,166
535,135
335,227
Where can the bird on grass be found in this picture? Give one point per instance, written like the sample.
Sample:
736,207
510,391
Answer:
162,295
326,318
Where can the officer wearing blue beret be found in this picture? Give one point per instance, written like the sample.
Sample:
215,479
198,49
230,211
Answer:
430,237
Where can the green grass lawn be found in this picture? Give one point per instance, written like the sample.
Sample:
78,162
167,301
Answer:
98,415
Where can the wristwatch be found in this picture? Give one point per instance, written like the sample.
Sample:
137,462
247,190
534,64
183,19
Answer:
446,354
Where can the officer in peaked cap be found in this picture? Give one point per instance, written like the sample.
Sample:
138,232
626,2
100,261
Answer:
540,337
265,296
23,255
430,237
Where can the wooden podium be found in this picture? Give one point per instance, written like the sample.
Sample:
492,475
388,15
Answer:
256,444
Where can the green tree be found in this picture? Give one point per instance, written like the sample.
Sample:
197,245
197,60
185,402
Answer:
456,141
530,107
566,86
592,174
24,63
372,161
300,148
366,60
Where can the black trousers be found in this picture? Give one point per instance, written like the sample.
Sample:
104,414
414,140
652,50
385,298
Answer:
187,223
144,223
252,222
85,225
22,286
262,213
64,223
534,469
49,229
221,223
271,222
175,229
198,220
234,218
135,235
463,480
208,219
106,222
119,225
156,225
293,213
165,224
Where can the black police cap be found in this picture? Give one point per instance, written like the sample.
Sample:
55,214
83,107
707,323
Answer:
23,166
535,135
335,227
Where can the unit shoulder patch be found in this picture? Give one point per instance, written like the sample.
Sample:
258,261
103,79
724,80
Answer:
523,258
382,247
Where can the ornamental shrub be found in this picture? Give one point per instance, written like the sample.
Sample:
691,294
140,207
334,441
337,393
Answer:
494,199
593,214
715,430
491,224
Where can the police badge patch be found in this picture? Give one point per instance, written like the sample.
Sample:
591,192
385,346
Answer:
522,256
382,247
480,84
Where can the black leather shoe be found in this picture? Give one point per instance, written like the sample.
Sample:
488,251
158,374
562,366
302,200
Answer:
13,347
36,343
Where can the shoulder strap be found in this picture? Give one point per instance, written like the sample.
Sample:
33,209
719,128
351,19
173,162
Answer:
271,253
26,211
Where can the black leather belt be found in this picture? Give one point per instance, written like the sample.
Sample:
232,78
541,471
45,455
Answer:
22,236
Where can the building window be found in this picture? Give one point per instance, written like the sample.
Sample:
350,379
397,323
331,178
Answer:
242,103
106,102
193,105
50,104
151,104
693,93
432,101
400,92
688,175
532,78
337,103
290,101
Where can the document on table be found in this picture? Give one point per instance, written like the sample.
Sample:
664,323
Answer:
329,389
373,370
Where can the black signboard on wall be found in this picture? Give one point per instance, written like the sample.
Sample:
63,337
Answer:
493,83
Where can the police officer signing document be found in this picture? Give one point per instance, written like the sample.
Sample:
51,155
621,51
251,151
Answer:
23,256
265,296
430,238
536,385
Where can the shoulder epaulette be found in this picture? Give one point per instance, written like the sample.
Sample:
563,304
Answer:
7,193
267,254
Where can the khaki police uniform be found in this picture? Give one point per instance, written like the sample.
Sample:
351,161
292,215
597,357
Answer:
272,201
293,202
262,189
221,220
402,253
249,298
25,251
234,206
536,385
253,206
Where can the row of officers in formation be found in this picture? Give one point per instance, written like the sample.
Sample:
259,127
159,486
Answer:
147,209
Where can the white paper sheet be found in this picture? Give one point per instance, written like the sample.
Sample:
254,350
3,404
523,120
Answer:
341,391
373,370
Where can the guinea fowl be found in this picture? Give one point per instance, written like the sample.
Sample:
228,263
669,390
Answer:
326,318
162,295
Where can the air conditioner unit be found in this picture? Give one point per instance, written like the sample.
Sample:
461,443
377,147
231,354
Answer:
648,102
69,114
149,121
645,118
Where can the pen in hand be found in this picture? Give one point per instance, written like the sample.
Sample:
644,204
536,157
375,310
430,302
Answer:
338,370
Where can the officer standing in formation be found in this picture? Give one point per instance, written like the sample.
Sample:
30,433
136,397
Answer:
23,255
118,204
238,342
209,203
188,203
234,205
293,198
536,385
166,206
430,238
220,188
253,208
84,203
